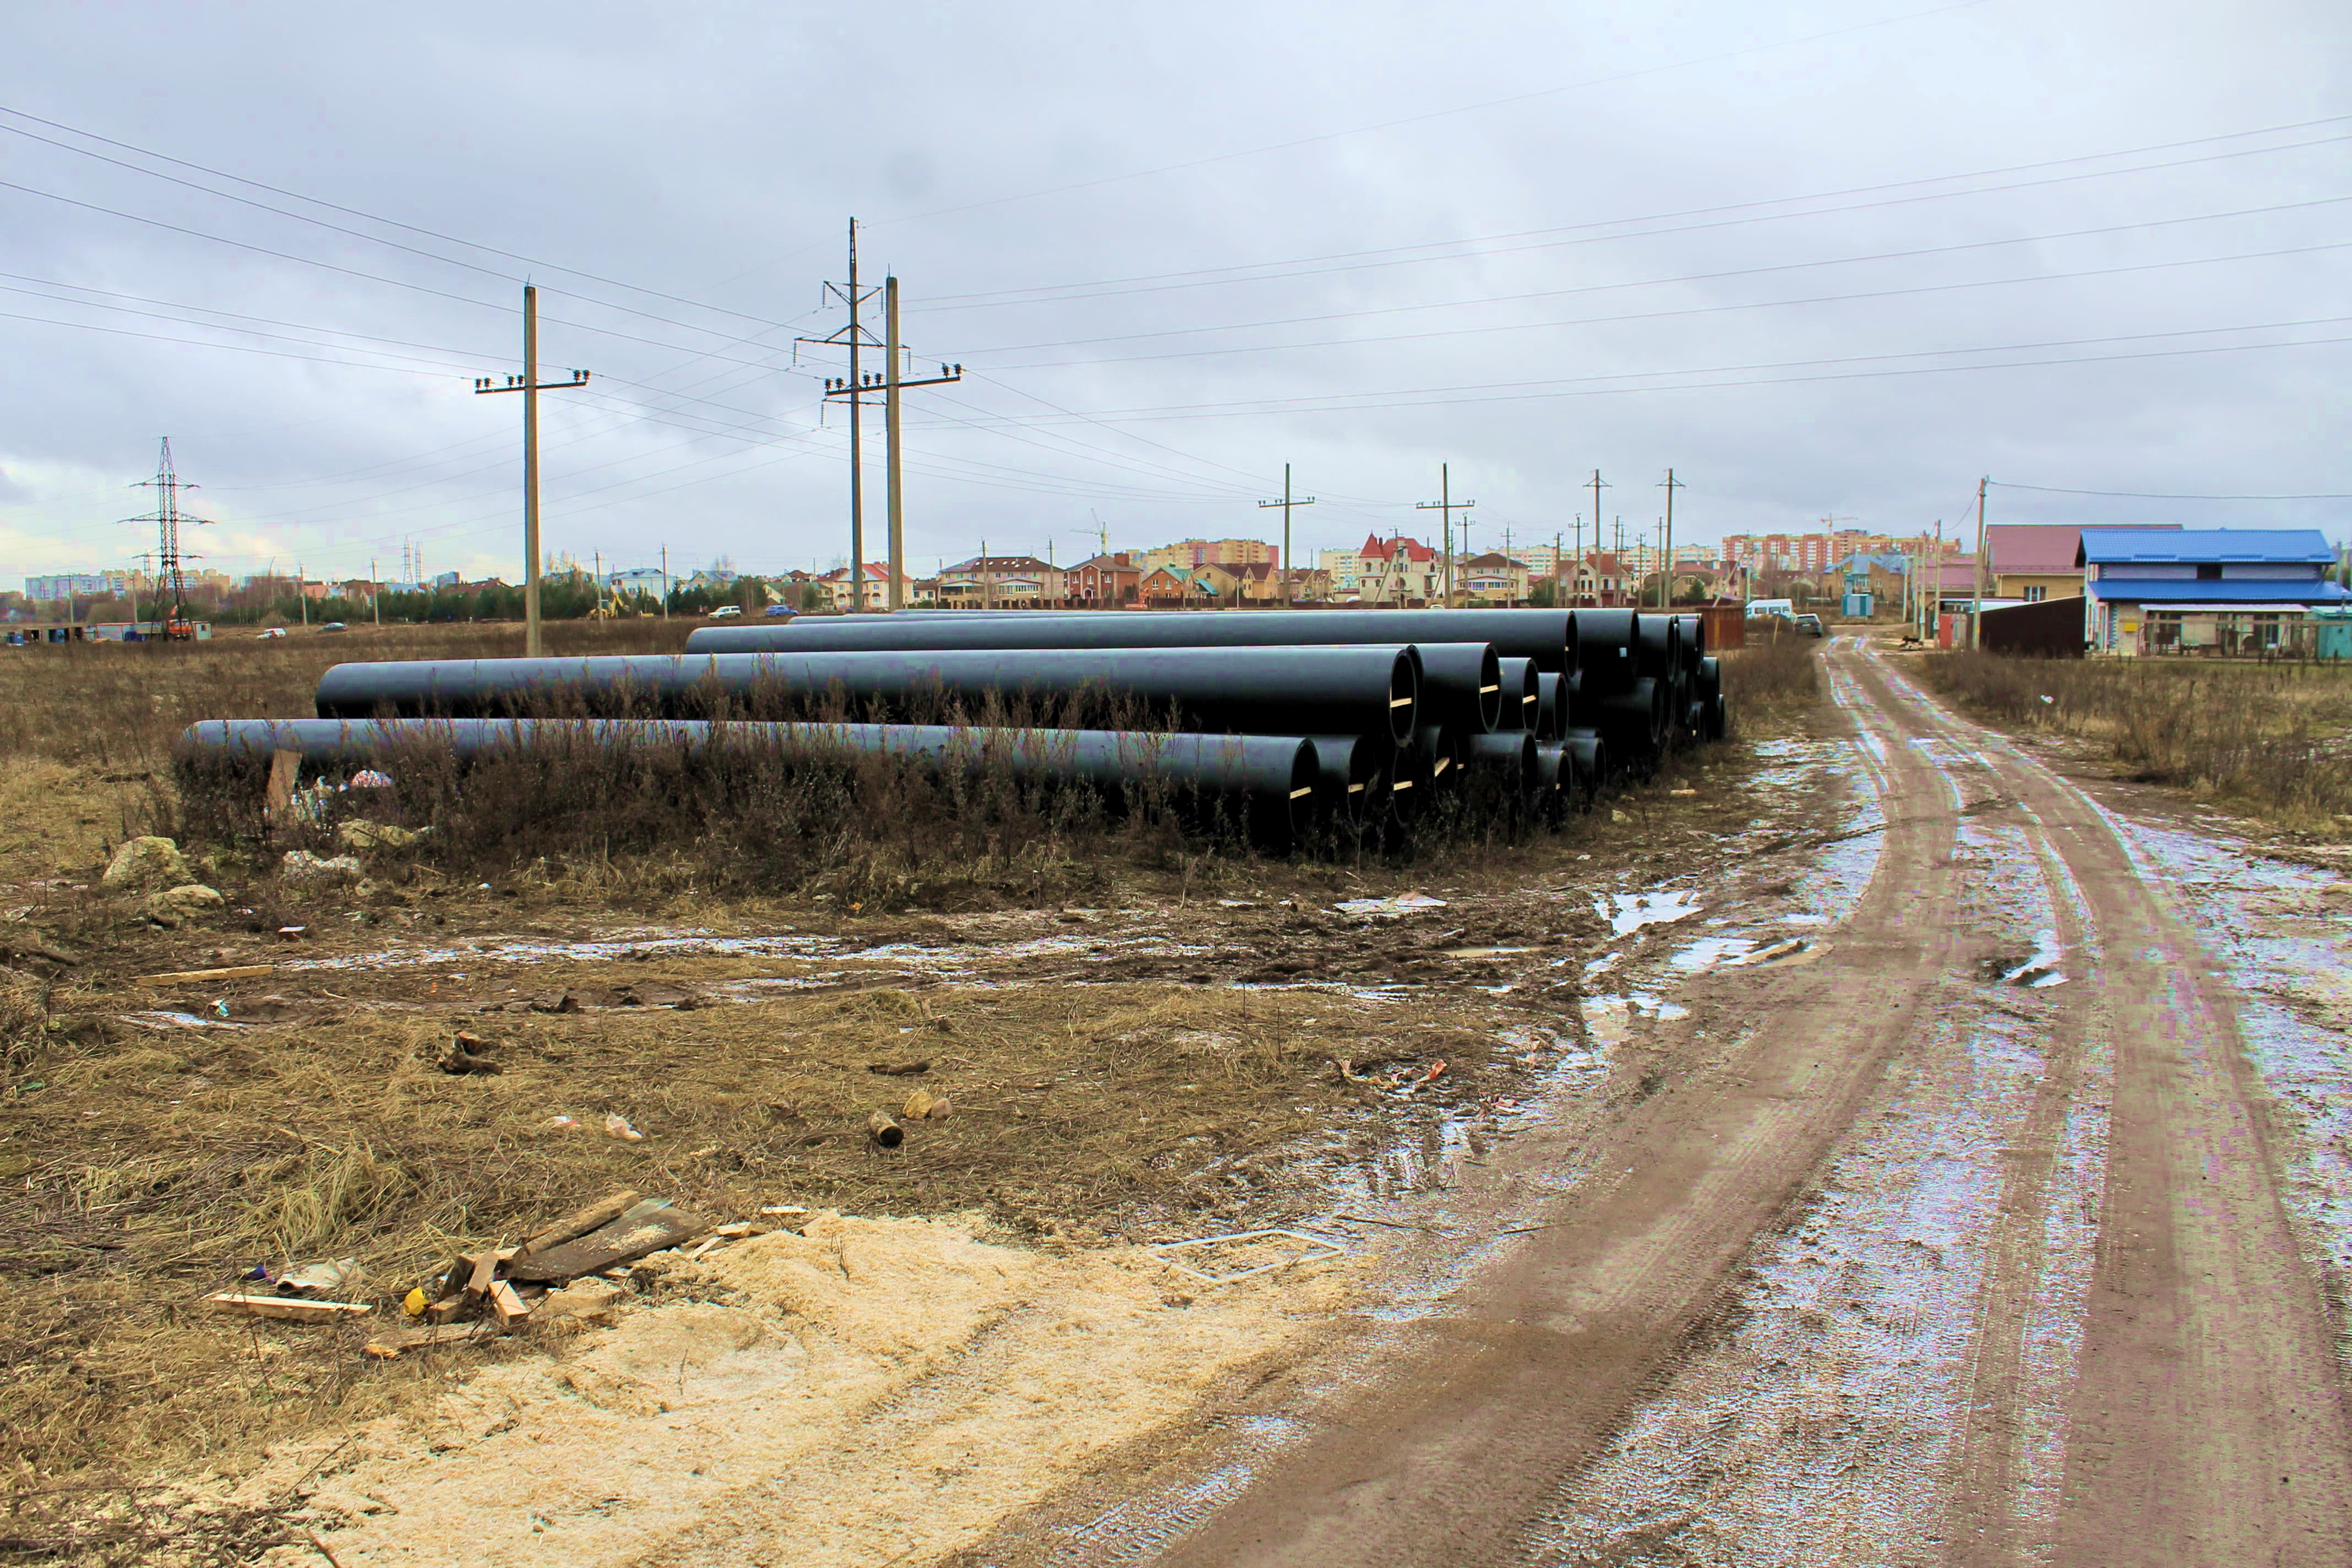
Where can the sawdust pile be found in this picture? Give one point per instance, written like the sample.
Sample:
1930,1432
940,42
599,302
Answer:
874,1390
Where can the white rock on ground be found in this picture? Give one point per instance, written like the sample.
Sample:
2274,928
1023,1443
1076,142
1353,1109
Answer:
183,902
305,869
360,834
145,862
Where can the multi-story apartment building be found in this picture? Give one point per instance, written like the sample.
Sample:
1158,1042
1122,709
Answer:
1188,554
1812,553
69,584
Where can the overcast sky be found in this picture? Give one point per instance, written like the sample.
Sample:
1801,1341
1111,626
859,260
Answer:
1831,259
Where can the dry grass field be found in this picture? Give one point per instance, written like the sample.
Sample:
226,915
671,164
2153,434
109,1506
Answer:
2272,740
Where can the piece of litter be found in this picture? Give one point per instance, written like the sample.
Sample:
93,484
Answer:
318,1278
616,1127
1320,1248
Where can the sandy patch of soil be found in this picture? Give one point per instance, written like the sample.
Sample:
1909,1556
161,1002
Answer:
871,1391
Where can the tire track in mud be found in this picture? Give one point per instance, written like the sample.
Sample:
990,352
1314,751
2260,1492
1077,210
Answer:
1984,1476
1497,1404
2208,1422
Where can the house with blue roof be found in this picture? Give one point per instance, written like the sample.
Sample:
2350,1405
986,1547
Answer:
2204,590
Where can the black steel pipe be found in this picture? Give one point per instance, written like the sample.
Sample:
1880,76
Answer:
1548,636
1522,703
1251,690
1509,758
1461,686
1271,778
1607,648
1694,630
1350,779
1658,647
1554,775
1441,752
1636,718
1410,783
1551,706
1589,753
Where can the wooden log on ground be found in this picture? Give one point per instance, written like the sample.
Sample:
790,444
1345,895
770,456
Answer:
885,1132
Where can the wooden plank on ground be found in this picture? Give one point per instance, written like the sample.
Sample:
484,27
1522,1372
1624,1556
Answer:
196,976
399,1342
292,1308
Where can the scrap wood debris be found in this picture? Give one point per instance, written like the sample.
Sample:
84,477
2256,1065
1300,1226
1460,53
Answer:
567,1000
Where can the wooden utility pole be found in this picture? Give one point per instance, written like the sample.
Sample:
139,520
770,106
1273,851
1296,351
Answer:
530,386
1667,589
1447,506
1976,610
1600,484
1282,569
852,390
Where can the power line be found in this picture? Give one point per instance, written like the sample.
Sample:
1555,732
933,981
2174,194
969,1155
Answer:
1437,113
352,212
1678,312
1910,254
379,277
2146,495
1354,261
1302,406
1341,401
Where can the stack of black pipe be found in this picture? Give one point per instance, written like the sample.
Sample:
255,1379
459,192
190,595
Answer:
1307,723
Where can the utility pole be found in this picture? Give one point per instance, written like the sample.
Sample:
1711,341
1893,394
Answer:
1976,611
1666,591
664,550
167,518
375,593
1555,570
852,389
1447,506
1600,484
987,584
1580,551
1282,569
530,386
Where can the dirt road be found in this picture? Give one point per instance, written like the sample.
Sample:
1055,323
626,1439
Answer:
1725,1345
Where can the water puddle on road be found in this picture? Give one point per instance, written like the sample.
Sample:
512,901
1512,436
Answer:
1635,910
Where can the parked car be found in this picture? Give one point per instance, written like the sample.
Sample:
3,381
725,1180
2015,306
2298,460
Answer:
726,612
777,612
1809,625
334,627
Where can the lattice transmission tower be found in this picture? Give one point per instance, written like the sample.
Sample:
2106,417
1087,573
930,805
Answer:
170,577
